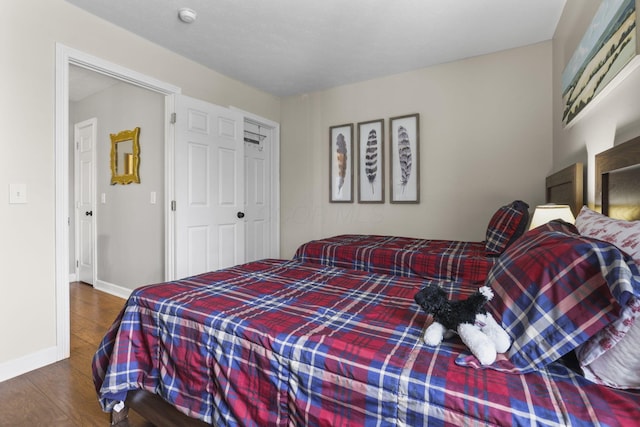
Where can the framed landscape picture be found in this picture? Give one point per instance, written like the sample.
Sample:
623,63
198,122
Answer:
404,179
341,164
605,50
371,161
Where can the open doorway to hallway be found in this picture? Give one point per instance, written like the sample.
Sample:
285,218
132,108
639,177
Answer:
119,229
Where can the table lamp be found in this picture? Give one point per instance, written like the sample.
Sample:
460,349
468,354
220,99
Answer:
549,212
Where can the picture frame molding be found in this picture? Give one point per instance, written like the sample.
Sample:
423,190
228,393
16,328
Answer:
412,122
364,196
334,174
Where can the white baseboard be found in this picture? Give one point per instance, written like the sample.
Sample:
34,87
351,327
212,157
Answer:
73,277
30,362
112,289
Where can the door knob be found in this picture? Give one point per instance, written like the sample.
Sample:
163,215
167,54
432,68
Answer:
89,213
240,215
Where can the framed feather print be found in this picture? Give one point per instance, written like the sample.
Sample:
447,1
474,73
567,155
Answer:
404,177
341,164
371,161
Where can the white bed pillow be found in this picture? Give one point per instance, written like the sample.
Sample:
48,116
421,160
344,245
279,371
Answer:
624,234
612,357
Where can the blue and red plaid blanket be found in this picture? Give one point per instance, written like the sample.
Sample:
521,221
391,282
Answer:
284,343
402,256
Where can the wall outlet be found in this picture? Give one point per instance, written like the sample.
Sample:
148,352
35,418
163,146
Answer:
17,193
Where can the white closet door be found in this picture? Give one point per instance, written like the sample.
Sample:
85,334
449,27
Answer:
209,187
258,194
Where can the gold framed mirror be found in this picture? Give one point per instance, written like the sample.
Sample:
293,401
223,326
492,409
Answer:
125,157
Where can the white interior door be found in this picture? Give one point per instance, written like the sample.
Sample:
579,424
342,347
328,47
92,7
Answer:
85,134
258,191
209,187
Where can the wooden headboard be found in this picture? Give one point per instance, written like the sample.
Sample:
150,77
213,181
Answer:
566,187
618,180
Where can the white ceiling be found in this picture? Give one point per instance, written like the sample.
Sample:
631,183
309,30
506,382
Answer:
289,47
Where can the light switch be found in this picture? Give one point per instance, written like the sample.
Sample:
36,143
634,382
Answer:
17,193
103,198
152,198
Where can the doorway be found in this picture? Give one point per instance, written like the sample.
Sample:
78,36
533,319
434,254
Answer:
125,221
66,57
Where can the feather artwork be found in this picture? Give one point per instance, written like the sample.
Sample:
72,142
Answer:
371,158
404,156
341,151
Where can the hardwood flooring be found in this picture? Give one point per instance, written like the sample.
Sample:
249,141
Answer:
62,394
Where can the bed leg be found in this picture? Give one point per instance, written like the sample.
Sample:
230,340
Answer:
120,413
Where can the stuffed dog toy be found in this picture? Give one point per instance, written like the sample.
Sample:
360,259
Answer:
477,328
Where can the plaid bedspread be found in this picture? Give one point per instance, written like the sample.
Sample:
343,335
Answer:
283,343
403,256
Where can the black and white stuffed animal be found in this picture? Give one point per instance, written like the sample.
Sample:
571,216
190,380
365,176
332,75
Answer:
477,328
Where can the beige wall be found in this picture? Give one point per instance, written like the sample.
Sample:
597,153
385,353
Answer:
485,140
29,30
486,133
613,118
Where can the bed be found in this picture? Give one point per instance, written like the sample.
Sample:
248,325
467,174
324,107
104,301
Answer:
617,178
461,261
285,342
566,187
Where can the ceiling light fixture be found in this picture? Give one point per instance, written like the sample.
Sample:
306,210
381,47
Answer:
187,15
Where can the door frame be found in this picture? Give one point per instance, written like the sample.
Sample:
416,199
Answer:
77,188
66,56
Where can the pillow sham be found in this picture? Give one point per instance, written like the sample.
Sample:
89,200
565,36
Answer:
554,289
611,356
624,234
507,224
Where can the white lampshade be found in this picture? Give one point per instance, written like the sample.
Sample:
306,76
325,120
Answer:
545,213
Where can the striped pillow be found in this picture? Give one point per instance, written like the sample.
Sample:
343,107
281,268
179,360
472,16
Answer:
507,224
554,289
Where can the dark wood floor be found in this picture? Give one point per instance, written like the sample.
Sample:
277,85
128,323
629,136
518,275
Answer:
62,394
